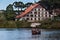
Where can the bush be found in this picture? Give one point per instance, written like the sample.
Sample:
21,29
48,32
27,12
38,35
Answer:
9,24
22,24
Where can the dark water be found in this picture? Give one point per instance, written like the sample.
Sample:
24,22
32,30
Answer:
25,34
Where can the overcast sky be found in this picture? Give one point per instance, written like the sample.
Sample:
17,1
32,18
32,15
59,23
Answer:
5,3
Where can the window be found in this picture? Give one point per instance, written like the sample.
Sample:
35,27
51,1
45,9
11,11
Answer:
35,18
31,12
31,18
38,18
42,9
27,18
38,9
35,12
31,15
38,12
38,15
27,15
35,9
49,15
46,15
35,15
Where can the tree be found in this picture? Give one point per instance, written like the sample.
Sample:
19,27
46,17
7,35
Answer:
18,5
28,4
52,1
10,12
2,17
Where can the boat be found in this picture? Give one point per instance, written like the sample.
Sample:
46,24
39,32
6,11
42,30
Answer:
36,31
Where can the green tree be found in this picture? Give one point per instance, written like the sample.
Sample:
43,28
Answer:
28,4
10,12
2,17
52,1
19,5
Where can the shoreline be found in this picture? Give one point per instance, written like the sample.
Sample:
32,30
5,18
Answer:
24,24
31,27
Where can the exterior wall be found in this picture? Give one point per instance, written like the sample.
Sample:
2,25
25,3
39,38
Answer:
37,14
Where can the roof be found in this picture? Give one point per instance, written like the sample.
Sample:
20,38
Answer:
27,10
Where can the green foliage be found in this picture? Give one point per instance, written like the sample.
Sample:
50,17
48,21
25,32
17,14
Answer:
50,24
9,24
28,4
52,1
18,5
9,7
14,24
9,14
22,24
2,17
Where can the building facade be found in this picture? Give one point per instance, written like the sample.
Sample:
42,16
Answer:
35,13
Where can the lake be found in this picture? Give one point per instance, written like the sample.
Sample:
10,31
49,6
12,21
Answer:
25,34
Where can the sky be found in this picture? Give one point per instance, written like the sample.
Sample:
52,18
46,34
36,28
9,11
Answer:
5,3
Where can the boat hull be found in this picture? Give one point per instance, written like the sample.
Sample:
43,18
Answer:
35,32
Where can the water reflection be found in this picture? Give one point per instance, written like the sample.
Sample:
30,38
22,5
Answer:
25,34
